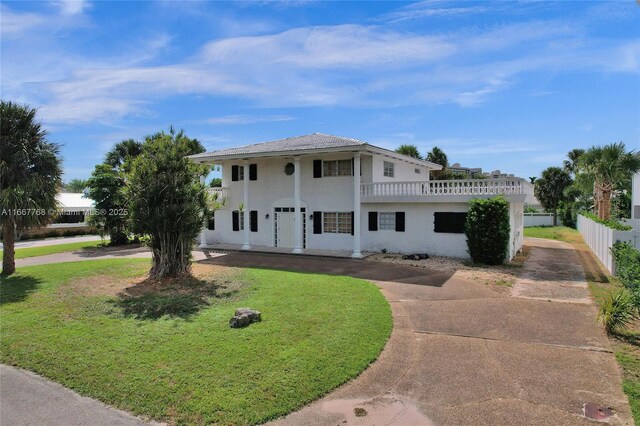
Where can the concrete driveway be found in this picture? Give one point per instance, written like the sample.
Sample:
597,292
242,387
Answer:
461,353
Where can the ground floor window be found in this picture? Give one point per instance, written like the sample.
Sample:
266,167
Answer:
449,222
387,221
336,222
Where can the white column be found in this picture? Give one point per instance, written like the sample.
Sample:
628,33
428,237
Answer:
201,238
245,232
297,248
356,206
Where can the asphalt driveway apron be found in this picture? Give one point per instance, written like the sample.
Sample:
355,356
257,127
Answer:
461,353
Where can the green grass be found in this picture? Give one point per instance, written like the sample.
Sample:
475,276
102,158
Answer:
317,332
626,345
21,253
560,233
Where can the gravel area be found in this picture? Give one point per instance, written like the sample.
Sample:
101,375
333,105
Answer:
499,278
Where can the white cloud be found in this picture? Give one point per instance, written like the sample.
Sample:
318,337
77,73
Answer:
71,7
13,23
345,65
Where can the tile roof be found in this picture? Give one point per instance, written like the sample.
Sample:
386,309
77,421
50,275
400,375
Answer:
295,143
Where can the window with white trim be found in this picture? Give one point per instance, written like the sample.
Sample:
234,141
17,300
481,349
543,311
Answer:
389,170
336,168
387,221
336,222
240,172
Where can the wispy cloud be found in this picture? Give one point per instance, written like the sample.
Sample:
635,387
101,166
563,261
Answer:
336,65
71,7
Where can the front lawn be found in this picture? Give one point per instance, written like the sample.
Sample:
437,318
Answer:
98,327
626,345
21,253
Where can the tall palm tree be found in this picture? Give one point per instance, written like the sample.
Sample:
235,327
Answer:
30,176
609,166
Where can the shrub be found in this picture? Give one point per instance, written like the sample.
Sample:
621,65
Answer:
610,223
617,311
568,216
487,229
627,261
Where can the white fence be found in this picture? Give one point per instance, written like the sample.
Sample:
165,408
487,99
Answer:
600,239
538,219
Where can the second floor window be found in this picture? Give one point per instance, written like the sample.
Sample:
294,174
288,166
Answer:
336,168
389,169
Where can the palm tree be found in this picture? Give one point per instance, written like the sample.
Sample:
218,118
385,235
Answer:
409,150
436,155
609,166
30,176
572,162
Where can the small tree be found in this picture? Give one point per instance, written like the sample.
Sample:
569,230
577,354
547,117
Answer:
550,189
167,201
30,176
106,189
487,229
216,183
409,150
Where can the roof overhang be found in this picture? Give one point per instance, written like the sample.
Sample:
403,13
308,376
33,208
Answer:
364,148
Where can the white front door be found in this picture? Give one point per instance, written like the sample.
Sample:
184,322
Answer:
285,234
285,229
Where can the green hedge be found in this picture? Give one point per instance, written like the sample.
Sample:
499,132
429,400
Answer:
627,261
487,229
613,224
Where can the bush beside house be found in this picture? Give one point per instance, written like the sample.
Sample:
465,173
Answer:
487,229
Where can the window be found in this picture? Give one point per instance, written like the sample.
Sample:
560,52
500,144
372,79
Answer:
211,223
387,221
336,223
241,173
449,222
242,221
336,168
417,171
389,169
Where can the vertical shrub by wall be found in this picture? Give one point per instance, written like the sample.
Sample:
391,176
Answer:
627,260
487,230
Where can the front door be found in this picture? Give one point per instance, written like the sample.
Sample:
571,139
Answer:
285,225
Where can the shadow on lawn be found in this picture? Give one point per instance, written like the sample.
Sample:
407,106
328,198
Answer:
173,297
15,289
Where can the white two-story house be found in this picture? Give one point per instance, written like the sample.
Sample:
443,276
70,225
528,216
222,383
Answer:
323,192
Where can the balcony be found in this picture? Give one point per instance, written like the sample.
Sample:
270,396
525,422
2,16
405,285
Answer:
221,192
440,190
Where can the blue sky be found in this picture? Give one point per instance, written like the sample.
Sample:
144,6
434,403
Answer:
504,85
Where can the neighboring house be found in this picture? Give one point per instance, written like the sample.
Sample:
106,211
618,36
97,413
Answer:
530,201
353,197
635,197
74,210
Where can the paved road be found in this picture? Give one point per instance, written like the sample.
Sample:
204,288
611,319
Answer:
28,399
54,241
80,255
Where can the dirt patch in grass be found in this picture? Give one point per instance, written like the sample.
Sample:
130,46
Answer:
499,278
145,298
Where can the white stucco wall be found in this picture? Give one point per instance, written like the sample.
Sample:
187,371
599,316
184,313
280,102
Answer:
418,236
403,171
335,194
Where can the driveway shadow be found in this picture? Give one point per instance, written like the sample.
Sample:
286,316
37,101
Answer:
368,270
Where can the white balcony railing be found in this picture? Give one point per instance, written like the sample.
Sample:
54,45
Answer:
222,192
506,186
